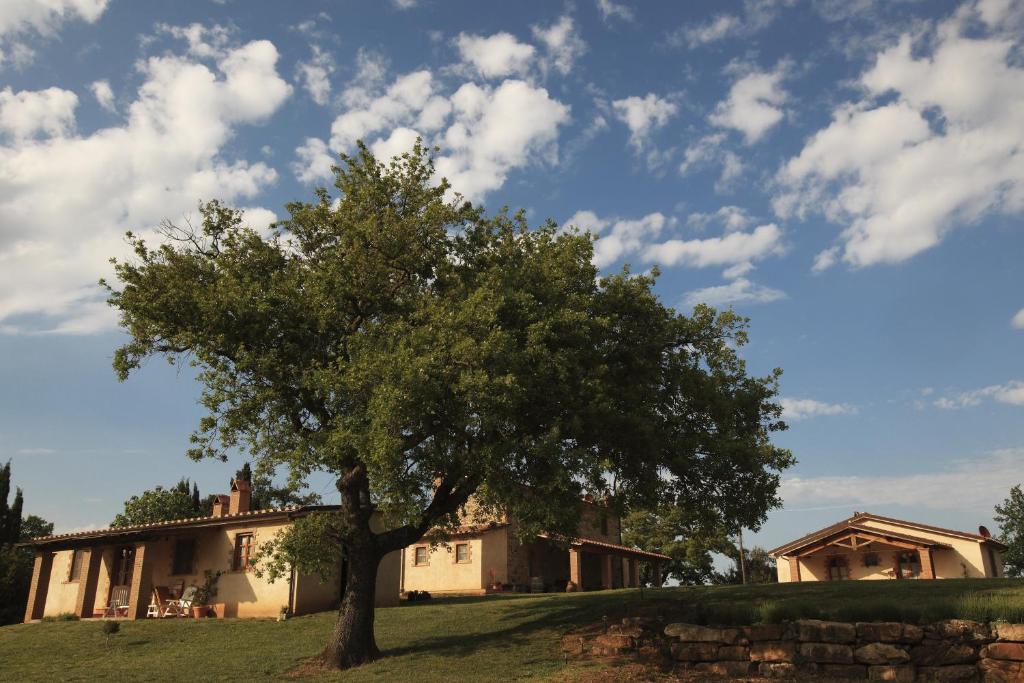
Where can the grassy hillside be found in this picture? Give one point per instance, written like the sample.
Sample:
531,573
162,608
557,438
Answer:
494,638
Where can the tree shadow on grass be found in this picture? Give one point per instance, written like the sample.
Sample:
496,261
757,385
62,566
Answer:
555,614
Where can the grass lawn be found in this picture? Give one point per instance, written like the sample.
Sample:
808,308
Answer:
493,638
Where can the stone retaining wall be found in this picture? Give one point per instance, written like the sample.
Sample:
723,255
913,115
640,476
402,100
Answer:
952,650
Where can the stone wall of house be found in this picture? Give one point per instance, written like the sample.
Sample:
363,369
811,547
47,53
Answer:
952,650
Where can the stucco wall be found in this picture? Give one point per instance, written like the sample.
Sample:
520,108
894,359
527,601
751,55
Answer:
442,574
61,594
966,556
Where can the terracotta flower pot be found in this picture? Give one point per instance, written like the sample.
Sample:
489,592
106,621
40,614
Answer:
199,611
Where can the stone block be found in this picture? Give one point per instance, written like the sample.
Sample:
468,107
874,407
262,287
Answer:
1001,671
854,671
816,631
728,670
574,645
1009,631
912,634
960,629
887,672
694,652
826,653
942,674
692,633
1012,651
880,631
773,651
881,653
730,636
941,653
777,670
764,632
734,653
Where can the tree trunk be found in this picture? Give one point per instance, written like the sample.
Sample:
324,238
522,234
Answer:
352,643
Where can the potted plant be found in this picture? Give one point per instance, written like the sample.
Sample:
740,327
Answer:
205,593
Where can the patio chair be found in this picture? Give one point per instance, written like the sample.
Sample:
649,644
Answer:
161,603
183,605
117,606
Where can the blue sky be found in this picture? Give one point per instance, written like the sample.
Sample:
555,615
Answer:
850,175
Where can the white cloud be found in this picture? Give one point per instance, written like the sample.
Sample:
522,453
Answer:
618,238
710,31
731,218
756,15
406,96
978,483
1011,393
404,4
613,10
371,72
562,45
204,42
643,115
730,249
934,144
754,104
28,113
20,18
496,130
802,408
167,155
495,56
739,291
484,131
825,259
104,95
314,161
1018,320
315,75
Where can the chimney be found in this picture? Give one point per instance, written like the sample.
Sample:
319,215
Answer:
241,497
220,505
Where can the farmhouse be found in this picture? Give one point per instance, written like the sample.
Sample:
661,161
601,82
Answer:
486,555
868,546
115,572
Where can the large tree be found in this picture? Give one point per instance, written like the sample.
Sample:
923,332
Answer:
1010,518
161,504
689,537
15,562
421,351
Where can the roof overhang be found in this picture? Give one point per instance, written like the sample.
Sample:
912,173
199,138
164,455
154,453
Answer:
593,545
144,531
855,537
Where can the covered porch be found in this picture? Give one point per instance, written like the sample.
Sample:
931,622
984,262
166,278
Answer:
595,565
856,553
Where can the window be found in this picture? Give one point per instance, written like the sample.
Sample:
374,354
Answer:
910,564
462,553
75,573
243,552
420,556
871,560
184,555
837,568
